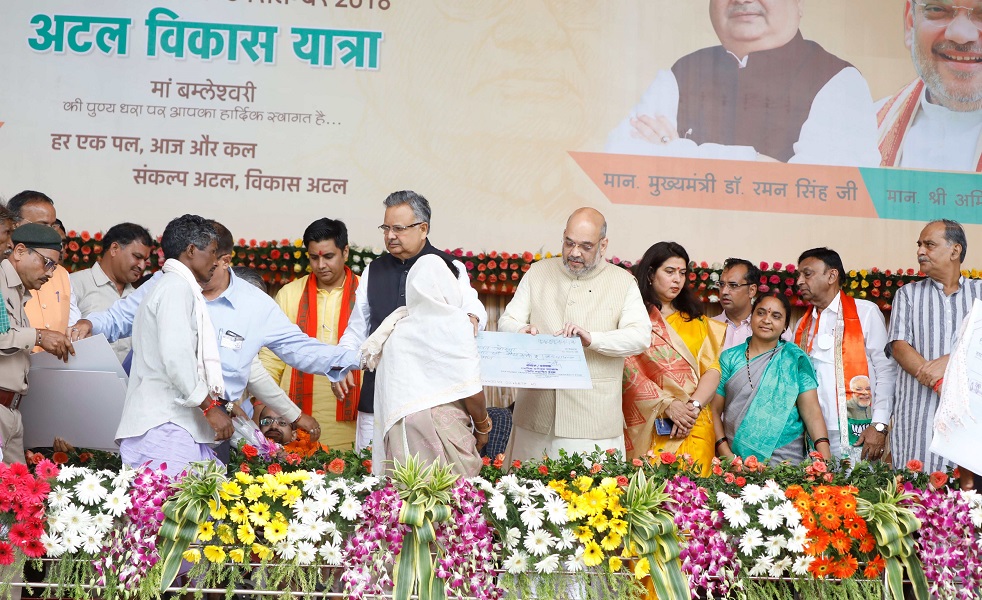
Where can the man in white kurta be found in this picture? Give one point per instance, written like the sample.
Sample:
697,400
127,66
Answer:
577,295
935,122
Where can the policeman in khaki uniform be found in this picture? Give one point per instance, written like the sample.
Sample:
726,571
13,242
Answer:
35,254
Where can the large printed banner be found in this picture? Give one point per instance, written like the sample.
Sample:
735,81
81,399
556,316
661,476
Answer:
757,128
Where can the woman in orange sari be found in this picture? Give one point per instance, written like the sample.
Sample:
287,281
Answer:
668,388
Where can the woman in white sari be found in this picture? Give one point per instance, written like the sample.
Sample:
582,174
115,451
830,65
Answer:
428,397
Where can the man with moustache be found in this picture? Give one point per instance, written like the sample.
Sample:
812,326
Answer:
125,251
320,303
765,93
23,271
383,289
581,295
845,339
737,288
935,122
281,431
923,326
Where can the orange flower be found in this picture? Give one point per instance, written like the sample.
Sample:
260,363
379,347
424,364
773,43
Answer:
821,567
847,504
846,567
841,541
874,568
803,504
856,527
867,544
819,542
823,504
914,465
794,491
829,520
59,458
809,521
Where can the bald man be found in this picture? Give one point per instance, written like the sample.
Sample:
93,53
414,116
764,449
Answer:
579,295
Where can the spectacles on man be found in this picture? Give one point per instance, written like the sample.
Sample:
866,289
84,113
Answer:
731,286
941,14
398,229
584,246
269,421
49,265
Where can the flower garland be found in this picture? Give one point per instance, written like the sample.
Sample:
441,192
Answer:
708,561
950,546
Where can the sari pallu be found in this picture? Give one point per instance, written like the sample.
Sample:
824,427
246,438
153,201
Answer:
668,371
772,419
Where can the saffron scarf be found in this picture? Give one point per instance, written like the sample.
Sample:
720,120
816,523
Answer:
302,384
765,427
894,120
855,409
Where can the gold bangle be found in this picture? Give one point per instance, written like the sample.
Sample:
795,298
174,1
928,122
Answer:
490,426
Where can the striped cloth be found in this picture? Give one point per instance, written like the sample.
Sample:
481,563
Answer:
500,432
927,320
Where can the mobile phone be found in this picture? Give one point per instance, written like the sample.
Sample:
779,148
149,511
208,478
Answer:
664,426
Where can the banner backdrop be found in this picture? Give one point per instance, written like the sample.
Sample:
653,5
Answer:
507,115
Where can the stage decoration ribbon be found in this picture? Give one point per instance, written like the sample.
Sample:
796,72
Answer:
652,534
425,493
184,512
893,527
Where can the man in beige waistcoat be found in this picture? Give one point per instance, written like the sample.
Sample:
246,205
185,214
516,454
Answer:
579,295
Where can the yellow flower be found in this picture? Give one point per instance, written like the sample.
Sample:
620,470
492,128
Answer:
558,485
214,554
253,493
583,483
239,513
206,531
615,508
642,568
548,254
297,243
592,556
853,285
262,552
615,564
598,522
852,273
230,491
611,541
865,284
225,534
259,513
244,478
275,531
595,500
217,511
618,526
538,256
237,555
192,555
609,485
291,496
864,272
576,509
246,533
584,534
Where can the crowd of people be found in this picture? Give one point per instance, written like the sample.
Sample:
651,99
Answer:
390,359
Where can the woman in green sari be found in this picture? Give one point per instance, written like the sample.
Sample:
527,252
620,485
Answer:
767,395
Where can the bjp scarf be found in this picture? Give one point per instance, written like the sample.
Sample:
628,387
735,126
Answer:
302,384
849,347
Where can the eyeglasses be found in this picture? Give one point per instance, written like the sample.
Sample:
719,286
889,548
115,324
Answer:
399,229
731,286
941,14
49,265
268,421
584,246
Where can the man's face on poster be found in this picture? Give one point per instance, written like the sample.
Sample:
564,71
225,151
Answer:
947,52
745,26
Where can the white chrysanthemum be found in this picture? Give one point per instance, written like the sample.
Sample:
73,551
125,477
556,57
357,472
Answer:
770,518
539,542
797,540
508,482
567,539
53,544
498,505
481,484
331,554
513,537
753,494
316,529
306,553
350,509
286,550
517,563
750,541
532,516
325,501
90,490
117,502
340,484
726,500
73,540
548,564
68,473
780,567
365,484
557,511
123,478
774,544
761,567
73,518
102,522
801,565
575,564
521,494
313,482
736,516
974,500
542,490
59,497
333,536
773,489
92,540
792,518
305,510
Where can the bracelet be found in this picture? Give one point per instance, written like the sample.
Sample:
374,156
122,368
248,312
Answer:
820,440
490,426
720,441
486,419
214,403
937,386
38,341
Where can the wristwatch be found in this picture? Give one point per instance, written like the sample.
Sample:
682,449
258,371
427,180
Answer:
697,404
880,427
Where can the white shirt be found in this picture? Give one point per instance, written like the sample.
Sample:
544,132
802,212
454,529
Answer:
95,292
840,128
359,322
941,139
882,370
